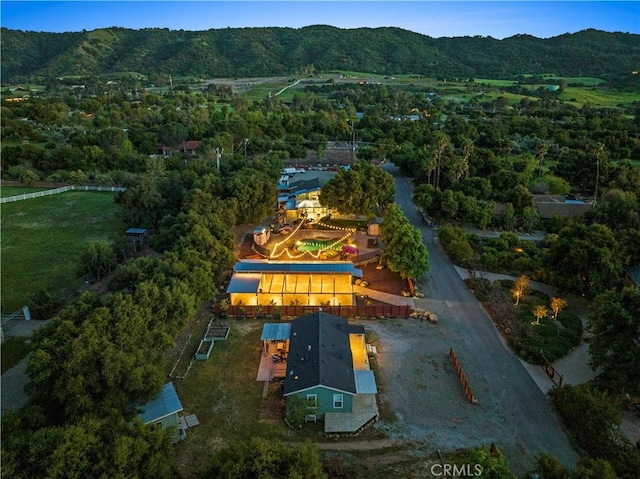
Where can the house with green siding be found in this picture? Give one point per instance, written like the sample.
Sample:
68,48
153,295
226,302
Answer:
328,366
163,411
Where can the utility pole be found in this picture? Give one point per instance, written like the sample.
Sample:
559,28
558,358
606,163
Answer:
246,142
598,150
353,141
219,153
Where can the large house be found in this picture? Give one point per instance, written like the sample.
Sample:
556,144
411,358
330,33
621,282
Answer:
564,206
301,199
283,283
328,367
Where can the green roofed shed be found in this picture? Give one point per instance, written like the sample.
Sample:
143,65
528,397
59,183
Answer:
163,410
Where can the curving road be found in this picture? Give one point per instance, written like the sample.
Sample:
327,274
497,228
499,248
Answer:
510,398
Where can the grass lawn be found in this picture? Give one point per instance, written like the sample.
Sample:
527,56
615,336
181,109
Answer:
13,350
224,394
43,238
261,91
6,191
488,81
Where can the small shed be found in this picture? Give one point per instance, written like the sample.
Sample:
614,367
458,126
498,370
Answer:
373,228
138,237
632,277
261,235
163,410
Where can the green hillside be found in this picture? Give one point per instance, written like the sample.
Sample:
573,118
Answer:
234,52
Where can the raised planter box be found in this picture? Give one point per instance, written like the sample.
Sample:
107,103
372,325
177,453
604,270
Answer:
217,331
204,350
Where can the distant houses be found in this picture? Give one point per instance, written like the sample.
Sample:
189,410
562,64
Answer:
189,148
564,206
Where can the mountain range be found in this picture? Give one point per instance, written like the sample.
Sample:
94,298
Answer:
236,52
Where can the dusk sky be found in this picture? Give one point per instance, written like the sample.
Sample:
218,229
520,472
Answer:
499,19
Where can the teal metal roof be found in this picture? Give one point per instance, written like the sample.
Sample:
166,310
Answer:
165,404
136,231
265,266
276,331
634,273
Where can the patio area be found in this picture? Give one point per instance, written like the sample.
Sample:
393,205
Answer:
364,410
275,347
270,369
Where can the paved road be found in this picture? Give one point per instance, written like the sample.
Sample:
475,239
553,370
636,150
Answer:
511,391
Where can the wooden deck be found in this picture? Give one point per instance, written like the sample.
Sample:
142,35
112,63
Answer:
365,409
268,369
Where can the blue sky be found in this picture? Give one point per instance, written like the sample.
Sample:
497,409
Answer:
498,19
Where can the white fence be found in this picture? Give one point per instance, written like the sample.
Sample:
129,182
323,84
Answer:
10,320
55,191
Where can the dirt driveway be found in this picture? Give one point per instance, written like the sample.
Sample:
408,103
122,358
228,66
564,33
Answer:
423,397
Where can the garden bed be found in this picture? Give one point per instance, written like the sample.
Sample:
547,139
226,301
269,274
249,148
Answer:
529,338
204,349
217,331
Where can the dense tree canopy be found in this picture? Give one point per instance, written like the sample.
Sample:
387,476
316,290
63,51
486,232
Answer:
361,189
265,459
614,337
585,259
404,248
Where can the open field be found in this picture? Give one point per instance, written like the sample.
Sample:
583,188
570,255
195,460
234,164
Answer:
598,97
488,81
42,240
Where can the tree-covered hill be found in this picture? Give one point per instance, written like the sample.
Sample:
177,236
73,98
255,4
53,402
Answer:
284,51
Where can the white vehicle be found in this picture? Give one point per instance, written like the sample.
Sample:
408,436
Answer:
291,171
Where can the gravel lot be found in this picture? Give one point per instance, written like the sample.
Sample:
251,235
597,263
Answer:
419,384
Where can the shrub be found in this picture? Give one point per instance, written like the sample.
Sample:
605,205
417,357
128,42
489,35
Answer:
593,420
44,304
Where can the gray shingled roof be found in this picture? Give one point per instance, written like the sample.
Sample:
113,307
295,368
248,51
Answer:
319,354
304,186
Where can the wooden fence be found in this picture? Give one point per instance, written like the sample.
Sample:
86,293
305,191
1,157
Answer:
369,257
293,311
463,379
552,372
